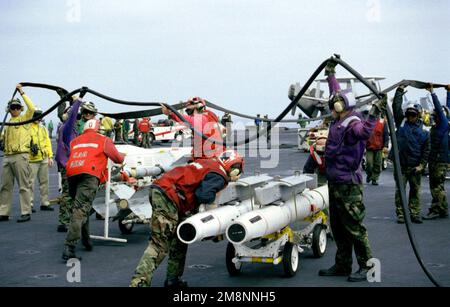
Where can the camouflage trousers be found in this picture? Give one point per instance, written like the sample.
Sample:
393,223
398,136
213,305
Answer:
82,189
438,172
163,241
414,179
65,201
347,212
373,164
146,140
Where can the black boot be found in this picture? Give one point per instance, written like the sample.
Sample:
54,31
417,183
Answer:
175,283
86,240
416,219
47,208
62,228
4,218
335,271
360,275
24,218
374,182
69,252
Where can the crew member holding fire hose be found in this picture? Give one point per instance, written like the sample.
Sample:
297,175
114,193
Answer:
344,151
205,122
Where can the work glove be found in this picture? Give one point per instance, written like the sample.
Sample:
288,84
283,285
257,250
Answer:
330,69
419,169
385,151
379,107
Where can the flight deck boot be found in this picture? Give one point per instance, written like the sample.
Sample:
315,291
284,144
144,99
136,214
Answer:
69,252
335,271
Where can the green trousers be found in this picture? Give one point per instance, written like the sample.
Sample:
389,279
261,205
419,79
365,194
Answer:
438,172
347,213
82,189
65,201
373,164
163,242
414,179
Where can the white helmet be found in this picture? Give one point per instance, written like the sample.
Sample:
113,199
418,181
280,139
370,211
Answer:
92,124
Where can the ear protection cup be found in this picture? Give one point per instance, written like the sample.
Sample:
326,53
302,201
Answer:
235,172
338,106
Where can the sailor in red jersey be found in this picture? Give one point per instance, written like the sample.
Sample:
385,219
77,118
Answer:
86,170
173,196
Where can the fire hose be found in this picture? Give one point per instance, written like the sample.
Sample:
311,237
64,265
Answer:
376,95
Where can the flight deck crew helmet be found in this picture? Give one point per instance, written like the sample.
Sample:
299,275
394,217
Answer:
413,109
195,103
232,162
15,102
88,106
37,112
92,124
342,100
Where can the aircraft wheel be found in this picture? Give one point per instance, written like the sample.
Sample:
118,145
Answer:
125,228
319,240
233,269
290,259
179,137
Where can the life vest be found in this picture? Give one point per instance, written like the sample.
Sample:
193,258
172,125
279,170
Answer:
376,141
211,129
181,182
87,156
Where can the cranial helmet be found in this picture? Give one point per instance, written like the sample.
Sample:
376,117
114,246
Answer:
232,162
16,102
37,112
342,100
413,107
92,124
197,102
89,106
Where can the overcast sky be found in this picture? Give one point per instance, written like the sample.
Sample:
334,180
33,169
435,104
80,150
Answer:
242,54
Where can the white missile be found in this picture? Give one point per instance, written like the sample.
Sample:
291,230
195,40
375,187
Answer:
211,223
235,200
272,218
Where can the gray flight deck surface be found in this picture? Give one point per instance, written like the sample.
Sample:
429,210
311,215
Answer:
30,253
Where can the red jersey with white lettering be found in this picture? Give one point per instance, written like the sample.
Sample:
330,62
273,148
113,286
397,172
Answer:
89,154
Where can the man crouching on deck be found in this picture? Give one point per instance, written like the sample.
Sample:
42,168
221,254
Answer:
179,191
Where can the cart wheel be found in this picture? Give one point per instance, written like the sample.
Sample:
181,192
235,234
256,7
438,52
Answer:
233,269
290,259
125,228
319,240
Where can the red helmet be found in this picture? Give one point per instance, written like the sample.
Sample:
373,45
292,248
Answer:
198,102
232,162
92,124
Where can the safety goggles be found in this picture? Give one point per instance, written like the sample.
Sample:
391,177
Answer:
411,114
189,111
87,112
15,107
